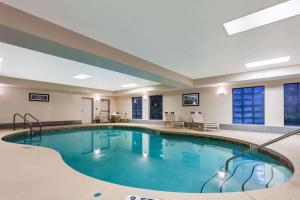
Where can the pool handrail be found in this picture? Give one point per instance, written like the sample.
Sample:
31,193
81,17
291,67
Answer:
255,148
33,117
25,121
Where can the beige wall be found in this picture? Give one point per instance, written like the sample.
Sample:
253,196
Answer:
62,106
172,103
217,108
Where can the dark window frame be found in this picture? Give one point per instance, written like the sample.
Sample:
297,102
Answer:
291,122
156,116
256,110
137,112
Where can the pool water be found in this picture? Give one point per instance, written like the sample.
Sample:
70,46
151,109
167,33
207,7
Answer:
145,159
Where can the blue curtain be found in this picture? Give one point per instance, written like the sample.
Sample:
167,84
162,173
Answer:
249,105
292,104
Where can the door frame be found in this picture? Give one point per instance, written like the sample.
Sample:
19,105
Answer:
92,117
108,105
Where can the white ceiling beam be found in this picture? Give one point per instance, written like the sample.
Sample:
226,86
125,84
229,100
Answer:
25,30
38,85
249,77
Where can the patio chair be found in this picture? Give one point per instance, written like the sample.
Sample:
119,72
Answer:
197,119
124,118
115,117
170,120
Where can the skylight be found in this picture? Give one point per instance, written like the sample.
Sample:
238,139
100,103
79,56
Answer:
267,16
268,62
82,76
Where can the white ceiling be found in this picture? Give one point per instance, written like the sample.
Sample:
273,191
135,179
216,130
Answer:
184,36
27,64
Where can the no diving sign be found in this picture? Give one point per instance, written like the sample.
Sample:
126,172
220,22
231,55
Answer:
134,197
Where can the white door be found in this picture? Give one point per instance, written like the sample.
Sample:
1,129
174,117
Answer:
86,110
105,109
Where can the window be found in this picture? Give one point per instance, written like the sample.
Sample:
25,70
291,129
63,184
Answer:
156,107
137,108
292,104
248,105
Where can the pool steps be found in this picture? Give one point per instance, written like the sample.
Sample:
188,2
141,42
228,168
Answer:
244,178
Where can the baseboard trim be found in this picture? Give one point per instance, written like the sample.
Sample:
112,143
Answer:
46,123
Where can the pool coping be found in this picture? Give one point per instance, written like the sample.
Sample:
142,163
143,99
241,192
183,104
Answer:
295,179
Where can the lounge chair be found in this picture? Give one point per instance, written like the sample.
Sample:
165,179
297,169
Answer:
124,118
170,120
197,119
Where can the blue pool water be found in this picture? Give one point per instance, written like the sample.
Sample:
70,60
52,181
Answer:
144,159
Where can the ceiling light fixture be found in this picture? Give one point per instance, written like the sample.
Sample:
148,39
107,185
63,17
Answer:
144,90
266,16
268,62
82,76
129,85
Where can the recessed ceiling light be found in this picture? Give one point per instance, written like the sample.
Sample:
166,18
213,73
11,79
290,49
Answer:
269,15
82,76
145,90
268,62
129,85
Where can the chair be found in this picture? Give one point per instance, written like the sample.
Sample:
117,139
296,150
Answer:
115,117
197,119
170,120
104,117
124,118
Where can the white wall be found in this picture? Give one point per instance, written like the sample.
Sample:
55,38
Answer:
67,106
172,102
217,108
61,107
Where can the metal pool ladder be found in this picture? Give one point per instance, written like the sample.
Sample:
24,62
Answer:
34,118
26,122
255,148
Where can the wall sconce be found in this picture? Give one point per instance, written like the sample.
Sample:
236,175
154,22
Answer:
1,61
221,91
97,98
1,90
145,97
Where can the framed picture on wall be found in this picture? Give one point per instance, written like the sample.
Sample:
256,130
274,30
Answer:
191,99
39,97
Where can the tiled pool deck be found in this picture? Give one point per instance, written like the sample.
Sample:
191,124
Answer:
39,173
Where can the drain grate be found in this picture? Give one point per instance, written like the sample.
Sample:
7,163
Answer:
96,195
26,147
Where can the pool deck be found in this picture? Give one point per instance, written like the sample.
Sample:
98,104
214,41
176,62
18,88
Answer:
39,173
